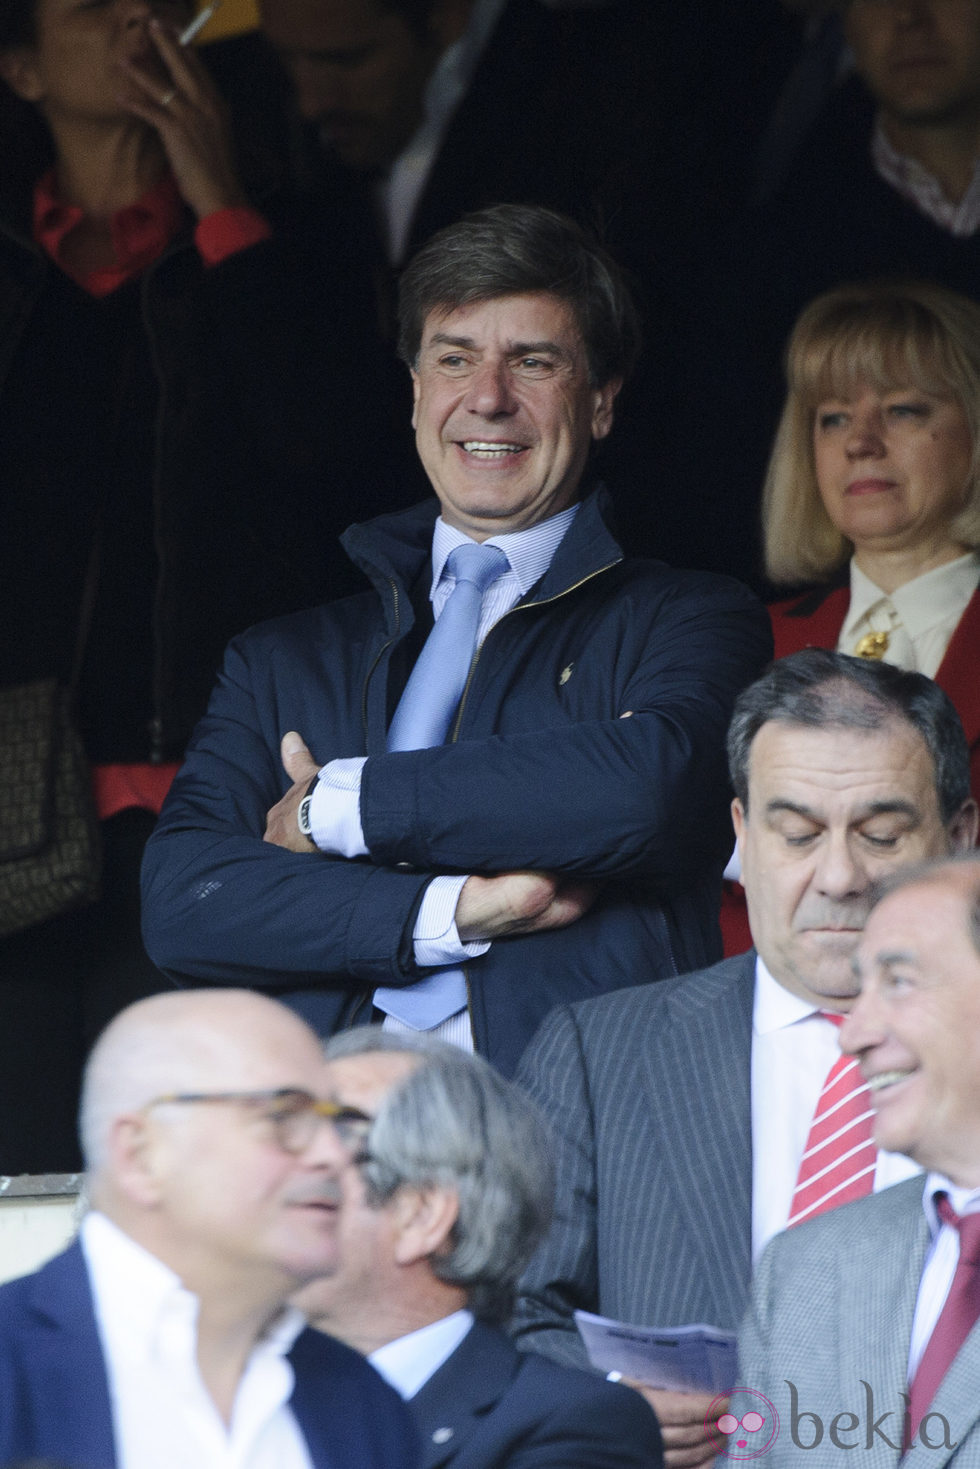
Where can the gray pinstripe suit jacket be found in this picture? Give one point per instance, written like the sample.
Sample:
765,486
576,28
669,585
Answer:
831,1311
648,1091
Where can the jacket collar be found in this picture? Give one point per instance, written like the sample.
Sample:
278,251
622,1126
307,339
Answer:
453,1402
392,551
67,1366
956,675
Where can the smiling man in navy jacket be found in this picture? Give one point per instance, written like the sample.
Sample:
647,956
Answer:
567,837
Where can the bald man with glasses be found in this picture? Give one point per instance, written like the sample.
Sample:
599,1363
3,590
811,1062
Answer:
162,1336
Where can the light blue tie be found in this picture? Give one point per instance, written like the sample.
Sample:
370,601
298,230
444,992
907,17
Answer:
425,711
433,691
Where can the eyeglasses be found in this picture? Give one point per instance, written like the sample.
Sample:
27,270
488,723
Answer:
292,1113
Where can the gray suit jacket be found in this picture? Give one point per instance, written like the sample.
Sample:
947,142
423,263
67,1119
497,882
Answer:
828,1331
648,1091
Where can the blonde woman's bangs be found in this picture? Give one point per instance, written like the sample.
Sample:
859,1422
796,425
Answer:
885,350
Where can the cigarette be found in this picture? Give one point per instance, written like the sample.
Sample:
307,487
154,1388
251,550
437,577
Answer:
197,24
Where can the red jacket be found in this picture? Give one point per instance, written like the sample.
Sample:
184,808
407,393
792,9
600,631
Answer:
815,621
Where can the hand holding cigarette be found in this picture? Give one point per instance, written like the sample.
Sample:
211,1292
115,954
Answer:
190,117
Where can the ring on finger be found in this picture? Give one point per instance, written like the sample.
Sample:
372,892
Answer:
168,97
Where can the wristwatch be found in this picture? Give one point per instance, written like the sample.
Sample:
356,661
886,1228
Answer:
303,811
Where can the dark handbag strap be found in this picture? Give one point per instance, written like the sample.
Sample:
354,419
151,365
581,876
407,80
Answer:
86,608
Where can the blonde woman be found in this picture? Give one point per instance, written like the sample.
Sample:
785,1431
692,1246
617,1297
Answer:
873,488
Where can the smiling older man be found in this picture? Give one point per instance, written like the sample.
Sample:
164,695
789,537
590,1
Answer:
523,804
161,1337
863,1328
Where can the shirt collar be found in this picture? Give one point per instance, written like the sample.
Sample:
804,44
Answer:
409,1362
137,1294
140,231
775,1007
919,187
934,597
963,1200
529,552
135,1291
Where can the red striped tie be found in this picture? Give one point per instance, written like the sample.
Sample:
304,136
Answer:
838,1163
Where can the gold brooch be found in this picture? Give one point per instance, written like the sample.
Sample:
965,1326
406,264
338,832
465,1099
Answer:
873,645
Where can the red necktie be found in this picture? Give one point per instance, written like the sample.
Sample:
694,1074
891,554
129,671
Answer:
957,1318
838,1162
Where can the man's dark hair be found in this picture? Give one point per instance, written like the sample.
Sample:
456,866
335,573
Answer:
818,689
517,249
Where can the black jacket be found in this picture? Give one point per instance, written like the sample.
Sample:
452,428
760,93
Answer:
215,420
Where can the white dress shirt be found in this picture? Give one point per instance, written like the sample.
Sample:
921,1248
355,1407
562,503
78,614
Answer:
335,821
941,1261
399,192
163,1415
793,1048
919,187
409,1362
919,617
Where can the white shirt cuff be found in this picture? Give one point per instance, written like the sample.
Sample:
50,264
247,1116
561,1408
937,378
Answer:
436,938
335,809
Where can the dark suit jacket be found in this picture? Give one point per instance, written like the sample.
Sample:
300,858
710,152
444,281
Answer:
831,1314
648,1091
559,111
490,1406
54,1392
568,149
815,621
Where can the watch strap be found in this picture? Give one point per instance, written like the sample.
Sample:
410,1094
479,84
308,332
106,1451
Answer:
303,810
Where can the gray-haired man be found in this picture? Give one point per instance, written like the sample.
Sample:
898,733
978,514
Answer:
438,1217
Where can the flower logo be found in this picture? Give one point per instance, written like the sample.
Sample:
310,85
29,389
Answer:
743,1425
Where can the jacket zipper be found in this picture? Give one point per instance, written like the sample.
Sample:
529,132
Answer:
378,657
521,607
